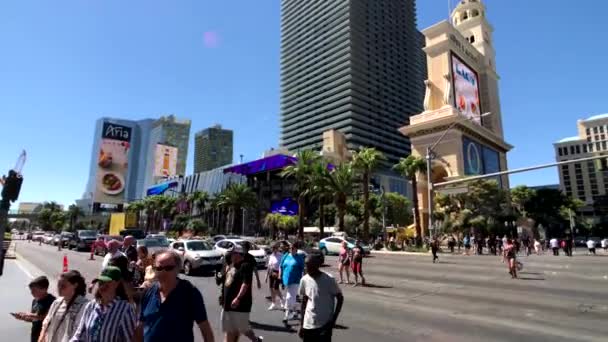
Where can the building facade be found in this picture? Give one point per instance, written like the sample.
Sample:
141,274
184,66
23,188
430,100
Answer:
462,118
213,148
586,181
352,66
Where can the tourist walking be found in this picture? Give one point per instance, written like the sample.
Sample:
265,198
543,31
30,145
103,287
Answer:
250,259
591,246
467,244
237,298
290,272
344,263
322,302
66,311
129,249
171,306
357,263
272,278
143,262
605,245
434,249
109,317
112,252
554,243
40,306
537,247
510,256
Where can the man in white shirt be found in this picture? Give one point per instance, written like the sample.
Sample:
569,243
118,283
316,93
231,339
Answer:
322,302
113,252
605,245
554,243
591,246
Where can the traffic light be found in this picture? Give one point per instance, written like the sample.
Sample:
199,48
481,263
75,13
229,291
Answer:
12,186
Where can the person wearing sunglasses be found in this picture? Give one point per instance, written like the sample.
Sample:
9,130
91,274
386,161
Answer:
171,305
109,317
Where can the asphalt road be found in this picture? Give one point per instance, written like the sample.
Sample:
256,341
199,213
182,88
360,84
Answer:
462,298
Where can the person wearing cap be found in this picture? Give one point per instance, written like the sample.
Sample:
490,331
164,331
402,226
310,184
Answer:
171,306
113,252
109,317
237,298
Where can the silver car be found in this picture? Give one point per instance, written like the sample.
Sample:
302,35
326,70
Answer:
197,255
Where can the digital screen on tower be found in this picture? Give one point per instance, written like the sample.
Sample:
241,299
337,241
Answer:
466,89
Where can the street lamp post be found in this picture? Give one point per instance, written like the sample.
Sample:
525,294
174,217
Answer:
430,155
243,223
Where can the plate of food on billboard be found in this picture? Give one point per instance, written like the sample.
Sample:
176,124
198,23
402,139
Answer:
466,89
112,163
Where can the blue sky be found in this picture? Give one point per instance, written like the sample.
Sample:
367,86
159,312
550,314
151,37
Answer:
65,63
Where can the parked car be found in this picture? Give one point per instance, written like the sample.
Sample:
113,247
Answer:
197,255
218,238
56,239
136,233
82,240
153,245
37,236
48,238
331,245
65,238
258,253
160,237
102,249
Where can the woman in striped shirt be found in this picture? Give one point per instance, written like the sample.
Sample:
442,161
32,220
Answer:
109,317
65,312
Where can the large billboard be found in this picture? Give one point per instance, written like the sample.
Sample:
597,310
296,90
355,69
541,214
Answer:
479,159
112,164
466,89
165,161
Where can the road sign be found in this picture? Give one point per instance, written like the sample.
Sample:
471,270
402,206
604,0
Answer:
454,190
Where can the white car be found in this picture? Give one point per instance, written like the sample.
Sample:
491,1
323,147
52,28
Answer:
258,253
197,255
48,238
333,244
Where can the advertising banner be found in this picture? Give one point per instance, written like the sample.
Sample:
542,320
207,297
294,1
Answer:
112,164
165,161
473,162
466,89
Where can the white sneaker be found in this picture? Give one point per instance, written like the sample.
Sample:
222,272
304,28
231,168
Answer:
273,306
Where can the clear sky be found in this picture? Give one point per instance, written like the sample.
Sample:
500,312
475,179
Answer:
65,63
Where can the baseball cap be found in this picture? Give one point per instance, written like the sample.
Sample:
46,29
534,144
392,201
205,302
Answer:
110,273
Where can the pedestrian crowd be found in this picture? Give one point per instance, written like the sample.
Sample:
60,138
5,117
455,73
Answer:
140,297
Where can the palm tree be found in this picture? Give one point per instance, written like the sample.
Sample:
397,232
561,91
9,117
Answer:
236,197
52,206
366,160
198,200
271,223
301,171
409,167
137,207
321,190
74,212
340,181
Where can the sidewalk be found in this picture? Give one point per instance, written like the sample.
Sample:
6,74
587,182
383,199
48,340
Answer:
14,296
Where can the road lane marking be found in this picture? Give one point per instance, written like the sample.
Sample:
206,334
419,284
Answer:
24,270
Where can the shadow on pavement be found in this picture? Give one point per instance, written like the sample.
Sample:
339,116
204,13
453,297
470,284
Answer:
340,327
268,327
526,278
376,286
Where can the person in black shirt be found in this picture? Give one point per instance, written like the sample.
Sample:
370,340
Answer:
250,259
237,298
40,306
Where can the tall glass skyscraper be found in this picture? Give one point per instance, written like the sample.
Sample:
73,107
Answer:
213,147
354,66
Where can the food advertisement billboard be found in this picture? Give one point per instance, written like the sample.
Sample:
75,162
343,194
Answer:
466,89
165,161
112,164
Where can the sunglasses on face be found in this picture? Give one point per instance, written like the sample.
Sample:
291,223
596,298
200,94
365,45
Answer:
167,268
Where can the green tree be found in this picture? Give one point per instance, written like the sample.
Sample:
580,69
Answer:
340,181
74,212
47,217
236,197
287,224
302,172
58,220
198,200
520,197
366,161
398,209
198,226
409,168
271,223
321,190
544,207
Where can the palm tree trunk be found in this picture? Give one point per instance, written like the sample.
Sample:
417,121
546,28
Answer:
417,220
366,177
321,218
301,213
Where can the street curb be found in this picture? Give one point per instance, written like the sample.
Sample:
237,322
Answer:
399,253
